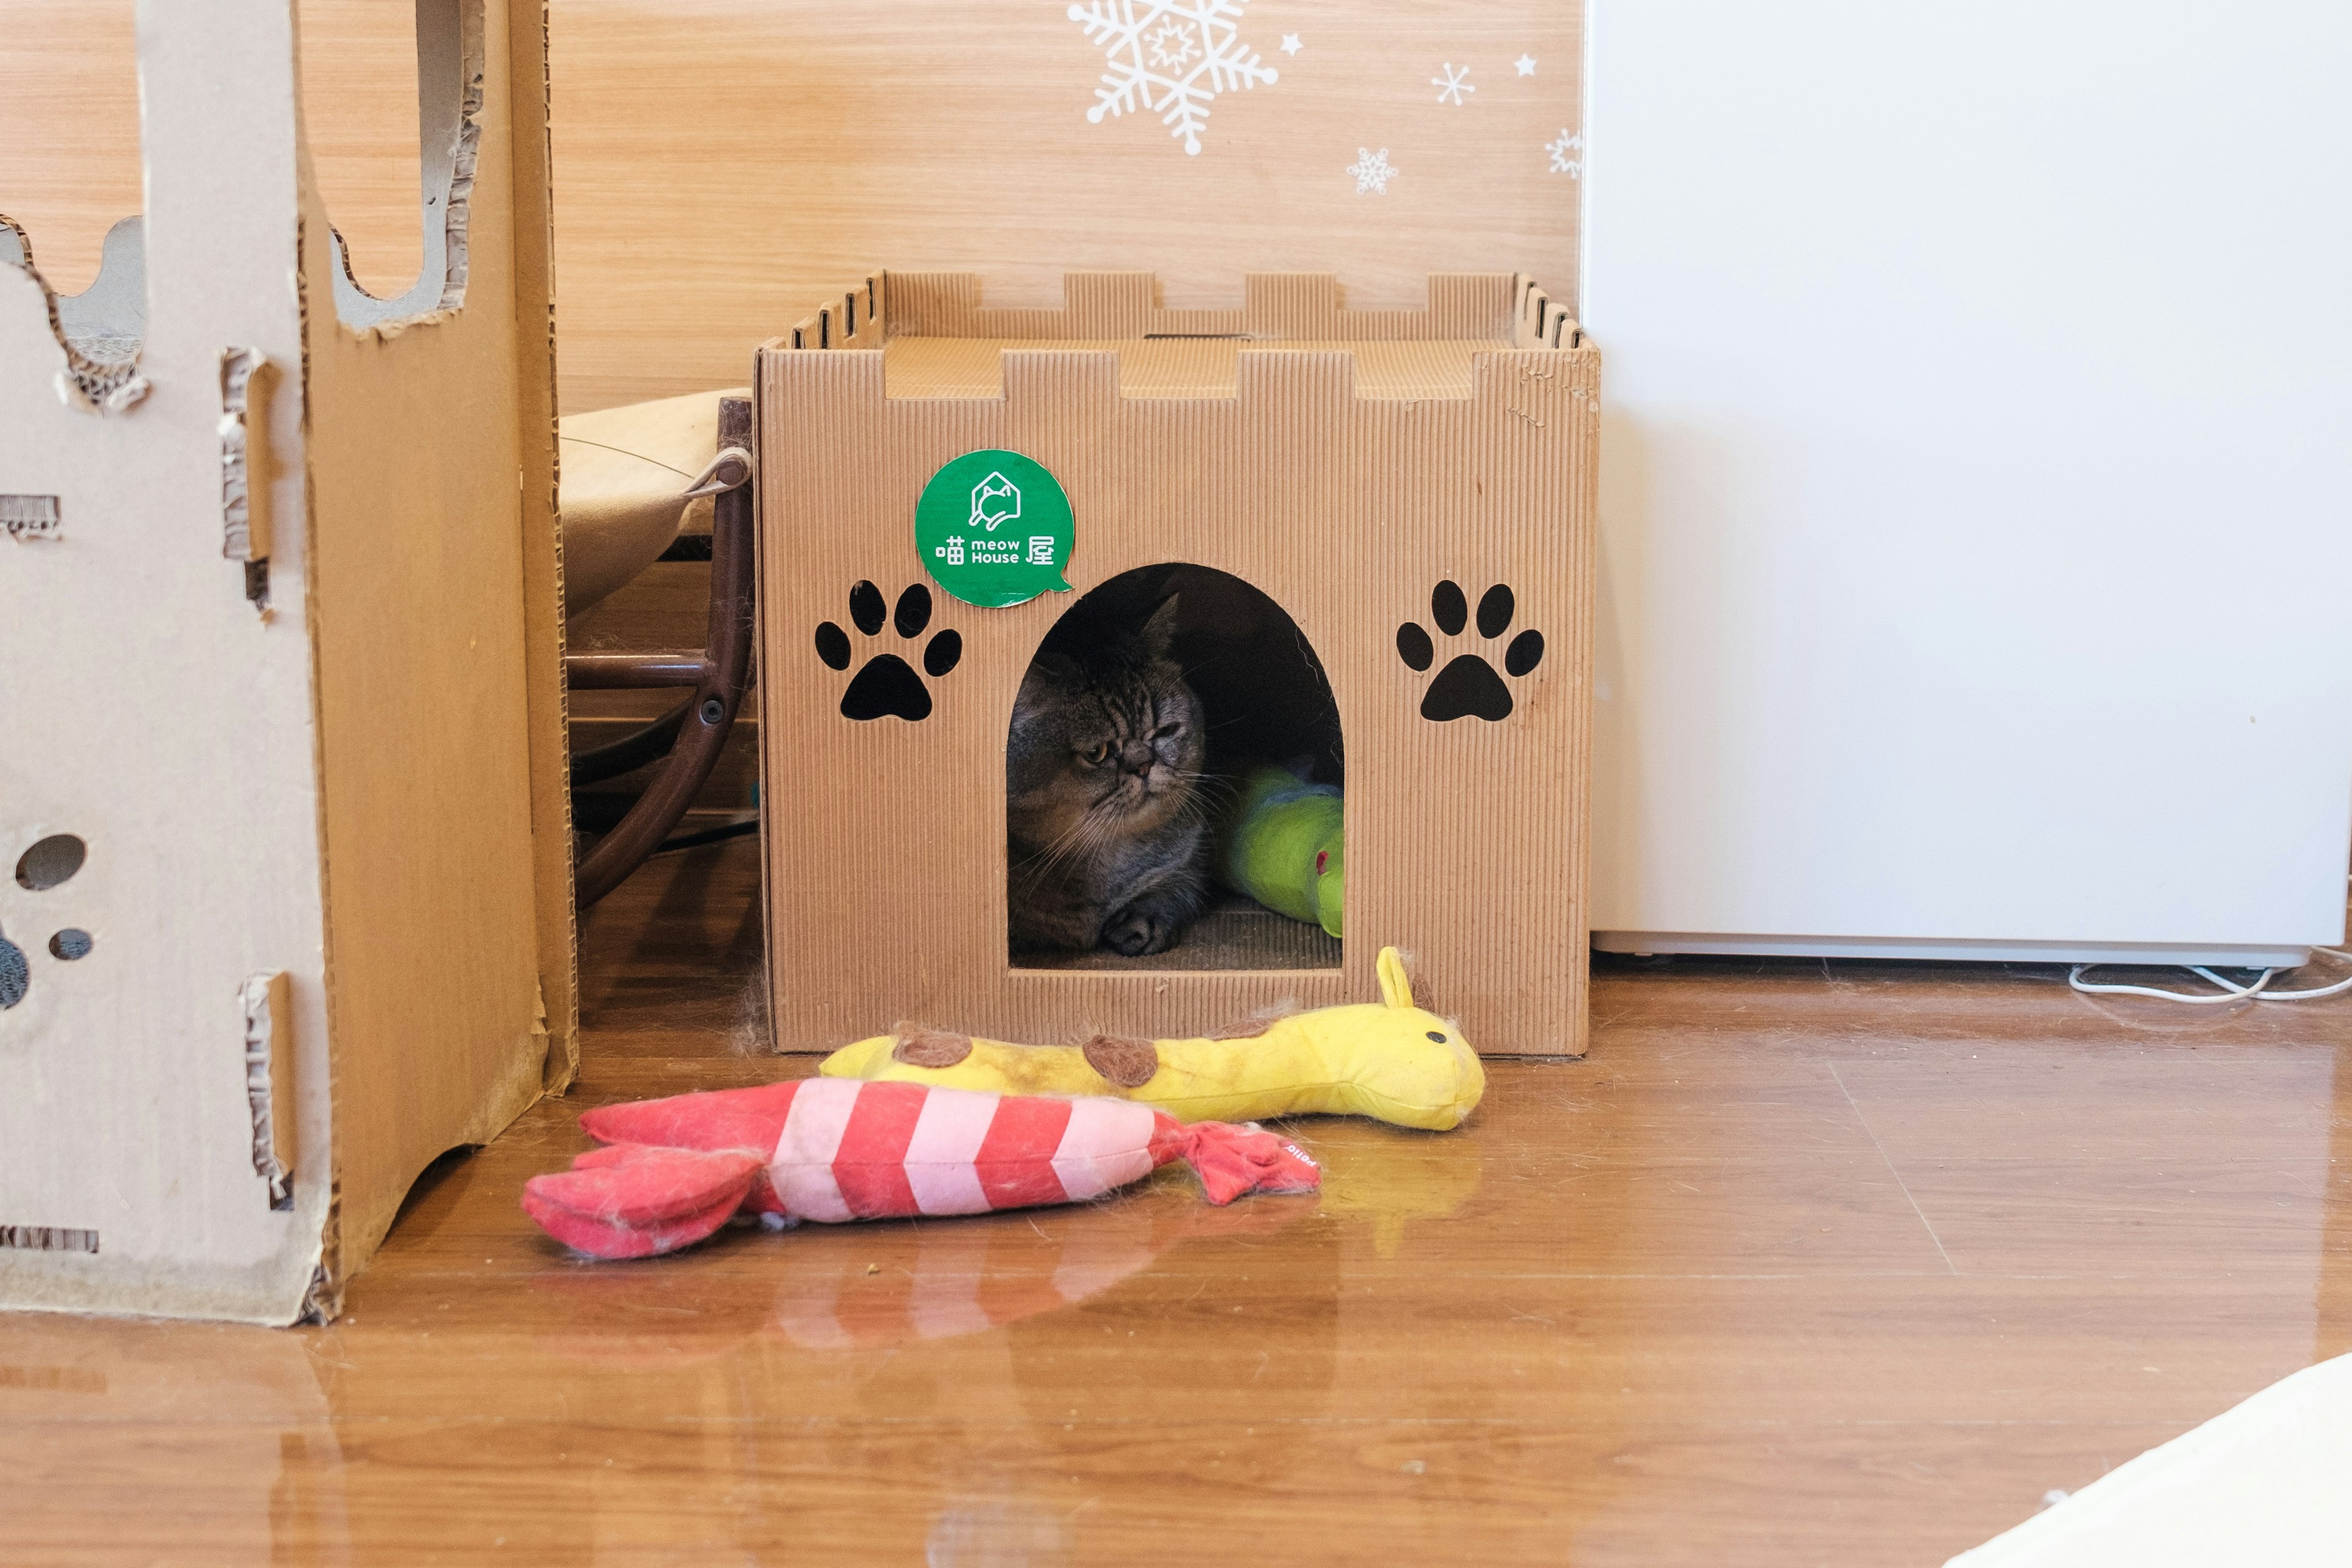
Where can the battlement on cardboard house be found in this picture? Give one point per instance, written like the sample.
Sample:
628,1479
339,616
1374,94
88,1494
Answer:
939,340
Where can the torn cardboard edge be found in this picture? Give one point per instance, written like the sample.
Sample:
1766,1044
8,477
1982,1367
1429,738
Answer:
269,1066
31,516
452,69
108,386
245,379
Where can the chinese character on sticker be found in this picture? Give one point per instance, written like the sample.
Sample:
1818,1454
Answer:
1041,550
953,550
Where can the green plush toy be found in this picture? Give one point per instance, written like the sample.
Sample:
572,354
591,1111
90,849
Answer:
1283,846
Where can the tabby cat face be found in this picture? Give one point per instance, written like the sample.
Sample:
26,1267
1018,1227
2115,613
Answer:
1129,754
1110,736
1134,753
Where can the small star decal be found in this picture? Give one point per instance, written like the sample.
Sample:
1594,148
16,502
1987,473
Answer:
1289,43
1527,64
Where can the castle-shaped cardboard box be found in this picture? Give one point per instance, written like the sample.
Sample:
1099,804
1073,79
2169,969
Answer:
1404,496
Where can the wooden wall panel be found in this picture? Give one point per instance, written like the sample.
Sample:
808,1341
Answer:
719,166
69,122
358,113
69,119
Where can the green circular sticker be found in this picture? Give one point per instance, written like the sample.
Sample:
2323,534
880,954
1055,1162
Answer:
993,529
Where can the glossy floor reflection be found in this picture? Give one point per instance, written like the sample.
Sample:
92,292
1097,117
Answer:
1805,1262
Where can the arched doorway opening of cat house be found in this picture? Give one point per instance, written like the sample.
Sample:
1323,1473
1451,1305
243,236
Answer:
1173,779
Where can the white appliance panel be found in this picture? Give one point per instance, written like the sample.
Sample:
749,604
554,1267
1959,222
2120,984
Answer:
1977,476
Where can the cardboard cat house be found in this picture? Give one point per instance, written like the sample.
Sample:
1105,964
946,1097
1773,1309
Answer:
285,860
1394,505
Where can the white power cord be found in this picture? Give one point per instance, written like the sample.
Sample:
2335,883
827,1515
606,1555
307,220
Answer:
2231,991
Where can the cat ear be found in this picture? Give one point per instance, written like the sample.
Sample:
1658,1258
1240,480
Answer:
1160,630
1042,685
1048,669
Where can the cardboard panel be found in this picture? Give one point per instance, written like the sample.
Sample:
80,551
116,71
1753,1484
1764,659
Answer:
279,613
150,711
1466,845
427,725
539,454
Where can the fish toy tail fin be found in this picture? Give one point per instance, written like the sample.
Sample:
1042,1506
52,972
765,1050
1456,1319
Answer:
1233,1161
633,1201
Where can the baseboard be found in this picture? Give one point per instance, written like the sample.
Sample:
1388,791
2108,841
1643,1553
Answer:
2227,955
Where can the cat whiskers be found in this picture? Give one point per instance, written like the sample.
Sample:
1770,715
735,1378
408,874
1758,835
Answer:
1082,838
1203,793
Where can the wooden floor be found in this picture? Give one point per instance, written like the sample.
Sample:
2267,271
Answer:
1806,1263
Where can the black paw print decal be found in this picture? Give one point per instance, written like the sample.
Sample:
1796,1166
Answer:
885,685
1468,688
49,863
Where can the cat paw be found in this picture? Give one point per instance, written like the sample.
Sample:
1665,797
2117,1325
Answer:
885,685
1468,688
1133,935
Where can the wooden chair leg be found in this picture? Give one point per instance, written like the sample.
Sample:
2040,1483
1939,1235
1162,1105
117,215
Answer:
707,716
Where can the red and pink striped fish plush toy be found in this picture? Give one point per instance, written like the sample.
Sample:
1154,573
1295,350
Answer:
832,1150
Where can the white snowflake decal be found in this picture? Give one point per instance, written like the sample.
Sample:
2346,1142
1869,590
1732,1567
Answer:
1372,170
1453,85
1567,154
1172,57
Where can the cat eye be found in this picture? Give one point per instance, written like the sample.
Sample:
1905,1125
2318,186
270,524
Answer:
1167,730
1099,755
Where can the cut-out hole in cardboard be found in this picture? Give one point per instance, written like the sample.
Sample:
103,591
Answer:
360,115
16,974
71,944
76,196
1263,699
885,685
448,109
51,862
69,119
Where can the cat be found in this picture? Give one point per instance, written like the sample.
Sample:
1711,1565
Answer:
1107,832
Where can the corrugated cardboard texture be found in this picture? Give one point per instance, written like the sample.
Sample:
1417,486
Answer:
1179,367
353,789
1283,463
425,681
542,540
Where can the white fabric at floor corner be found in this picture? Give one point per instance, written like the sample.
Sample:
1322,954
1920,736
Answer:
2269,1482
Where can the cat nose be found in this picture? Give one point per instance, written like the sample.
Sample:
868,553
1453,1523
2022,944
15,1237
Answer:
1136,756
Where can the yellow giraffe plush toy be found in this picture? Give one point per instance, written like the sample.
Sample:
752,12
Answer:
1387,1060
